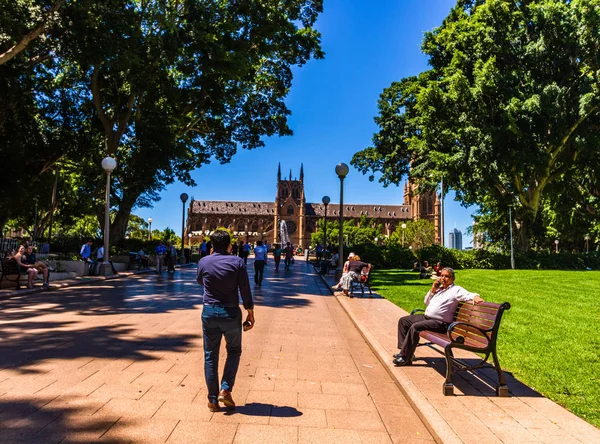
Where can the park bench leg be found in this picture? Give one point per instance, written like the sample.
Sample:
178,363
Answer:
502,388
448,387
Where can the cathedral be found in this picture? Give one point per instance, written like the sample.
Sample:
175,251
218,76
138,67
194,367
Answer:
254,221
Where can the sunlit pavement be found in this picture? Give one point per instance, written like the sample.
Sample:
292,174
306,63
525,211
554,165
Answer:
121,361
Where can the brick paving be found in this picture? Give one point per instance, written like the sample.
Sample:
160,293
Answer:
121,361
474,415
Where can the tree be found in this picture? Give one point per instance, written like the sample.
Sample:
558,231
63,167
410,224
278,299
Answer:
164,87
175,85
509,108
418,234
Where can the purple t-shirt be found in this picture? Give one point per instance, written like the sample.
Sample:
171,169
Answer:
222,276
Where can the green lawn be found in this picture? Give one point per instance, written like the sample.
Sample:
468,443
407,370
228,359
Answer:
549,339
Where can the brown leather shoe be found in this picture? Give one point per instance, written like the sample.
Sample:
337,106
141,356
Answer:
345,292
226,398
213,407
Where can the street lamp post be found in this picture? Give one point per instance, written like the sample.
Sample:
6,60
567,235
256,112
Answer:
149,228
341,169
403,228
587,243
325,201
512,253
108,164
556,243
190,240
184,198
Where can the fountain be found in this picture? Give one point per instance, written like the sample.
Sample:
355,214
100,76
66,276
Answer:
283,233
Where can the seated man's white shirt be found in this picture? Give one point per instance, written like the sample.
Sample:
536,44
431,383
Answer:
442,304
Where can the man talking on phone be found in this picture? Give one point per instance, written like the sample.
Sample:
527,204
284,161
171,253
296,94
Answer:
441,302
222,276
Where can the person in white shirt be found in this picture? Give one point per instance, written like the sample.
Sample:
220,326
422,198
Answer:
260,260
441,301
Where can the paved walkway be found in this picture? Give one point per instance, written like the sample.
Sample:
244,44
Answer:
121,361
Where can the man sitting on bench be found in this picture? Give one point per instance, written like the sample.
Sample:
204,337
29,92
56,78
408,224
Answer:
441,301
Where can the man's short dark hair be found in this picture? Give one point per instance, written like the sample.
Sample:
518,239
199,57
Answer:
258,242
220,240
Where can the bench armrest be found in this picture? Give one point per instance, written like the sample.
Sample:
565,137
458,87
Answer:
417,310
459,338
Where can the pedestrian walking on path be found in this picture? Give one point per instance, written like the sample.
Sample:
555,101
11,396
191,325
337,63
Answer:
289,255
222,276
260,260
160,251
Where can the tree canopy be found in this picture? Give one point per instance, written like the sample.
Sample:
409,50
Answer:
163,86
508,114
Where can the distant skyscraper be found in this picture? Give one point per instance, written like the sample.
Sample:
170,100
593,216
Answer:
456,239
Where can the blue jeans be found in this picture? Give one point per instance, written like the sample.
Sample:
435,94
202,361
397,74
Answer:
219,321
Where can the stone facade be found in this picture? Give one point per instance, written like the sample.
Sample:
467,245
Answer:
258,220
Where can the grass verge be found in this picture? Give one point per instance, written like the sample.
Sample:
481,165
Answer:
549,339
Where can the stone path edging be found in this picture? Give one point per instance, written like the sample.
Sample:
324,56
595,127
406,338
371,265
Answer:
435,423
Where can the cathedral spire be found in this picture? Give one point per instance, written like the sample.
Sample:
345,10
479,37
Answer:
290,174
301,172
279,172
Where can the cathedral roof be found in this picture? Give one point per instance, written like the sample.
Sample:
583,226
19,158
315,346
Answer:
233,208
312,209
358,210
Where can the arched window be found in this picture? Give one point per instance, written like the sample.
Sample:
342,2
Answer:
241,226
197,226
290,210
296,193
213,225
254,226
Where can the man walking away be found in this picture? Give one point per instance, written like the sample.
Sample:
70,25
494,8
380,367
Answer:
222,276
171,255
260,260
289,255
160,252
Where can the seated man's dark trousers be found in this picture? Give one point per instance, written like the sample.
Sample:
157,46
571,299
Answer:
409,328
259,269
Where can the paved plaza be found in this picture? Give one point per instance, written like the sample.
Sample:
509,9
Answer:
121,361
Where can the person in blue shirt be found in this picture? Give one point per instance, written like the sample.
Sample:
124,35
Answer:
260,260
86,256
223,276
160,252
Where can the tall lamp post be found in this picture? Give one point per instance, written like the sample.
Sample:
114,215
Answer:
341,169
108,164
587,243
512,253
149,228
184,198
403,228
325,201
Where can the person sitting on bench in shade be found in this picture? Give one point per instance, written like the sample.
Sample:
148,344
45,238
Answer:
441,302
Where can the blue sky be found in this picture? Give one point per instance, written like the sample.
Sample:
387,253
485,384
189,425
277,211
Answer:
368,44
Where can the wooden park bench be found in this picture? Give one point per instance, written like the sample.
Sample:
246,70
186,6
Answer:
475,328
10,271
364,282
